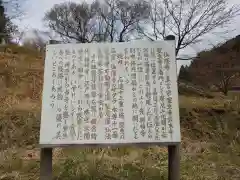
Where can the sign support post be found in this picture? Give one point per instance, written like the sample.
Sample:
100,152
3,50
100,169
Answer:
46,164
173,150
173,162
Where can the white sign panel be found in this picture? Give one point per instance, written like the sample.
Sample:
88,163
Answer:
110,93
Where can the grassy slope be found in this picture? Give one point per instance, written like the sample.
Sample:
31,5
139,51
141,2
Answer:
210,146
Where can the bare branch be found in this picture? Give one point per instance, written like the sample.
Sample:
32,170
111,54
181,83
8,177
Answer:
188,20
111,20
14,8
73,21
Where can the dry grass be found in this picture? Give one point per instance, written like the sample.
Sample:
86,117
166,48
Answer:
201,102
235,99
210,128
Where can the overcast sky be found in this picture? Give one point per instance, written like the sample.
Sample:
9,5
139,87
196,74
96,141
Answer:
35,9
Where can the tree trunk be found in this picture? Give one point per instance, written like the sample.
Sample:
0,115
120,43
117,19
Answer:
225,92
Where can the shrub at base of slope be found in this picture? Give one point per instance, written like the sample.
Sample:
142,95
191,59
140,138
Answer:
191,90
210,123
16,49
19,129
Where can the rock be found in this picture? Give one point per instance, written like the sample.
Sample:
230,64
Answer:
29,147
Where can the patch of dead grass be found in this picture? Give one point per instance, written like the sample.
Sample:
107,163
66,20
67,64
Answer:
189,102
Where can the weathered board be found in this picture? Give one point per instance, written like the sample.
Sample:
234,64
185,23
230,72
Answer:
110,93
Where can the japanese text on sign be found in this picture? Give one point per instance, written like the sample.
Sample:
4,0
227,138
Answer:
110,93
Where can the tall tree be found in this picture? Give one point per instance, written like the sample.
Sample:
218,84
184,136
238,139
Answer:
184,74
6,25
121,17
188,20
3,23
73,21
111,20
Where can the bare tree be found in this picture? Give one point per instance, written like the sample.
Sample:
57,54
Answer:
225,79
19,35
122,17
38,40
73,21
111,20
188,20
14,8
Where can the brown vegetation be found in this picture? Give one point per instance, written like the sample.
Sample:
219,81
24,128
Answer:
209,126
218,67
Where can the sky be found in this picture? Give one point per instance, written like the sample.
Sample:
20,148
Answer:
35,9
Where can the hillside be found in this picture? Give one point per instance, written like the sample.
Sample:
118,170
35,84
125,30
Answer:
215,67
210,127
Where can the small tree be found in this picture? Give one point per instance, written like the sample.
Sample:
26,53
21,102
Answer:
225,79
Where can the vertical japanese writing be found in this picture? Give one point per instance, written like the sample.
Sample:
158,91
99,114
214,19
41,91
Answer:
93,97
59,97
168,93
86,94
66,94
161,94
135,117
114,123
73,100
53,88
127,65
154,93
148,93
153,65
80,68
100,82
107,95
141,73
80,96
120,104
121,114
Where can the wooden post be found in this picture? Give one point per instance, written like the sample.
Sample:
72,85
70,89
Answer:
46,153
46,164
173,162
173,150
